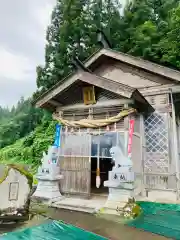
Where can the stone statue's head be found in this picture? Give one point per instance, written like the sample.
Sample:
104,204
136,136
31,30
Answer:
119,158
116,152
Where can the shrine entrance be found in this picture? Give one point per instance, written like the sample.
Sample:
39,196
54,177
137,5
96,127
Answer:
101,160
105,166
82,155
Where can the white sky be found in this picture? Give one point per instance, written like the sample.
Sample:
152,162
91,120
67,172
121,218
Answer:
23,26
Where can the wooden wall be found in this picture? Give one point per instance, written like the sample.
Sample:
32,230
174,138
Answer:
77,170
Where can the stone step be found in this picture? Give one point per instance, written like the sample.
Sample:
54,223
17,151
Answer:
114,204
111,207
109,211
86,209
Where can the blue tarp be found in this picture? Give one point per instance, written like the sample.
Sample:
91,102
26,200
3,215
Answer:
52,230
159,218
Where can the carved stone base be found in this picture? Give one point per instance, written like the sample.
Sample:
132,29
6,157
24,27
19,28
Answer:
48,190
119,194
117,199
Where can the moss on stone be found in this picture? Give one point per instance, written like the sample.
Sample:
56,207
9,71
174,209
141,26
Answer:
21,170
6,172
131,209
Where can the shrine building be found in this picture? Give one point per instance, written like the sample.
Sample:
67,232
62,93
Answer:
95,105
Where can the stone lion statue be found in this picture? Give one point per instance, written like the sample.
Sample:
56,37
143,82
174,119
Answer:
120,160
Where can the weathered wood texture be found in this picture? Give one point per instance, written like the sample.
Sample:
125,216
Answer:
100,104
77,175
97,113
160,102
75,155
75,163
138,63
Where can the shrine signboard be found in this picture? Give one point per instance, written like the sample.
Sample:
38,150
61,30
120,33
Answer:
13,191
122,177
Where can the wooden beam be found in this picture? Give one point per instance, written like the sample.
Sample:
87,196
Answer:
79,65
99,104
58,89
157,90
55,103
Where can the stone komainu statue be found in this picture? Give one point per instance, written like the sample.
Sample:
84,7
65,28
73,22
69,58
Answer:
120,160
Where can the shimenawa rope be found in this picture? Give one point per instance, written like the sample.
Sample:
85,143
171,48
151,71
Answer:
93,123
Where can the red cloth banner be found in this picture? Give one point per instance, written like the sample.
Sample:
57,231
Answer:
131,131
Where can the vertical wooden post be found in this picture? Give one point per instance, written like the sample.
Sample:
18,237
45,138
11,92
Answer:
89,166
175,145
142,143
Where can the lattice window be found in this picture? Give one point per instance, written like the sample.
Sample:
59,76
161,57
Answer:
156,134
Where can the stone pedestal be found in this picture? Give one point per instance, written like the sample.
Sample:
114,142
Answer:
49,178
121,188
48,188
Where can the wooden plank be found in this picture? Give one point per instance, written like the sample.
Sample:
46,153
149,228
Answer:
137,62
55,103
99,104
76,172
76,168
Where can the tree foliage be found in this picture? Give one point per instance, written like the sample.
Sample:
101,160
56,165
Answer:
17,122
72,32
146,28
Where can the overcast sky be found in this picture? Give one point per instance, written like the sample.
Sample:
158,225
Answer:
23,26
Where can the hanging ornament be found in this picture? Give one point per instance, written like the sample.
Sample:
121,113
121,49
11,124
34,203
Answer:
98,179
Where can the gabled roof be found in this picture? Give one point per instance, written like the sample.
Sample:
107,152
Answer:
98,56
101,82
134,61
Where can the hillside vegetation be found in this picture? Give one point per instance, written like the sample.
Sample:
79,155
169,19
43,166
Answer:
25,132
146,28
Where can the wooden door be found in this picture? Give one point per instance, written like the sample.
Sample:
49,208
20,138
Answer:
75,163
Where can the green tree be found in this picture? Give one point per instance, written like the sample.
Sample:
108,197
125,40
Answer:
169,44
146,28
73,32
145,23
19,121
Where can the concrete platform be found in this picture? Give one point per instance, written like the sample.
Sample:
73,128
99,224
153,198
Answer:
83,205
98,202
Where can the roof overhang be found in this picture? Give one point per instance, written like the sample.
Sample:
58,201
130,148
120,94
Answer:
165,72
97,58
120,89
